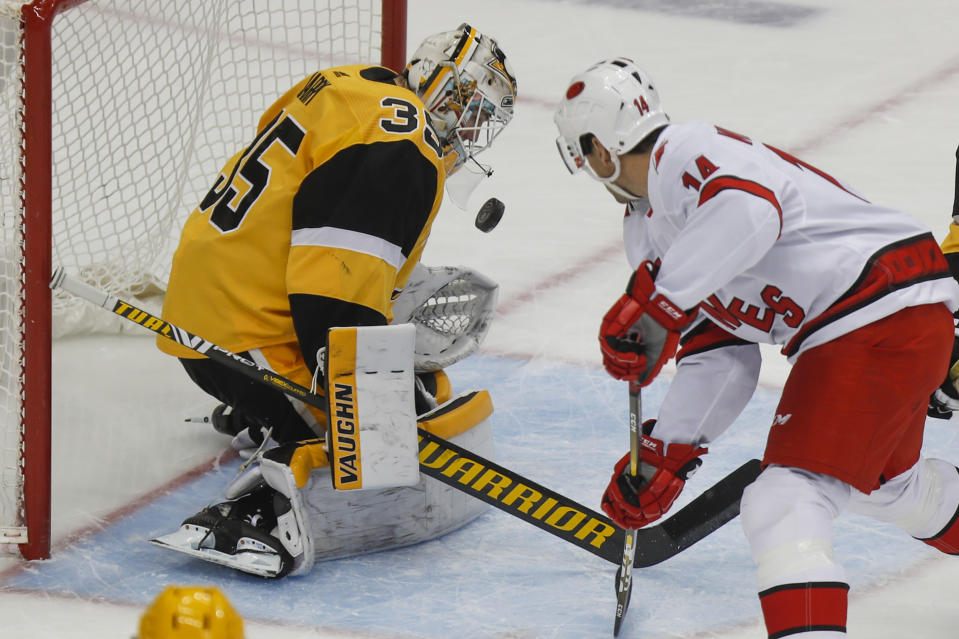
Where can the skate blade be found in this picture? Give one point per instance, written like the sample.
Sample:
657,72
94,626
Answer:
186,540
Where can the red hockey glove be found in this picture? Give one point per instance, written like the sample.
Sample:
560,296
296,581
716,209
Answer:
640,332
633,502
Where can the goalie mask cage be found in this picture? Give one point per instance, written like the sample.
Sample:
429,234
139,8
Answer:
117,114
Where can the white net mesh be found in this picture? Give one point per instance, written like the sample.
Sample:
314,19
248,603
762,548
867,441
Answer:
11,475
149,99
176,95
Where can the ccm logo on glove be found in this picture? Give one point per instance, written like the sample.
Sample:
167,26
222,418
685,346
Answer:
670,310
640,332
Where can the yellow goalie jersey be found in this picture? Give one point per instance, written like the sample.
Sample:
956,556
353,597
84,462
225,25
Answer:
950,245
317,223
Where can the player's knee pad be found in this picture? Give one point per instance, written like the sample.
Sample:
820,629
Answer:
787,516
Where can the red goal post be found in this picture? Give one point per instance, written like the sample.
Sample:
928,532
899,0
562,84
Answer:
114,112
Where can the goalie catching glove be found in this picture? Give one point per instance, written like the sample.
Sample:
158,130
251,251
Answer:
640,332
633,502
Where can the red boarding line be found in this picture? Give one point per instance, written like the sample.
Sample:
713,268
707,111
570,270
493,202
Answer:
863,116
129,508
293,51
903,96
599,256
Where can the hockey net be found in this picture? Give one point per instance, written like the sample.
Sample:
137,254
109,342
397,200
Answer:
116,115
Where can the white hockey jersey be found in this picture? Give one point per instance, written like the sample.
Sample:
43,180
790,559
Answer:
772,250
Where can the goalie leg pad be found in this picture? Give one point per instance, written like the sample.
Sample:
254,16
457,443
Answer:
348,523
432,389
372,432
311,521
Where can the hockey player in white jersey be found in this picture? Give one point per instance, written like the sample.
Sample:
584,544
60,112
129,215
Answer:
736,243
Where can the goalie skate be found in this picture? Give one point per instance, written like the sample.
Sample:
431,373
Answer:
235,535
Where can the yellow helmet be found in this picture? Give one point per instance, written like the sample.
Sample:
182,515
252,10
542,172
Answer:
191,612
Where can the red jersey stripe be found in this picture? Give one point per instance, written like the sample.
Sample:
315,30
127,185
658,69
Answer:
724,182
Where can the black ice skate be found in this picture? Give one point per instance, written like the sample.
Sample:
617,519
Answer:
237,534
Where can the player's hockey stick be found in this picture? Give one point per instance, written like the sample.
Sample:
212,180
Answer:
624,576
476,476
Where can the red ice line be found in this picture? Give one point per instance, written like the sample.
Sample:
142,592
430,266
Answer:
127,509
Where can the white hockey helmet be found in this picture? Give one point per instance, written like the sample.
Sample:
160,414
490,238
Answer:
613,100
468,87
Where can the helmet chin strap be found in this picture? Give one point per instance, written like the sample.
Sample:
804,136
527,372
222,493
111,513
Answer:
608,181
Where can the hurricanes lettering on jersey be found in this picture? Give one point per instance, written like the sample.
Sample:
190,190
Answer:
792,313
738,312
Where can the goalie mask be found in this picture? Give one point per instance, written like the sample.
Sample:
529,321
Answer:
190,613
469,88
613,100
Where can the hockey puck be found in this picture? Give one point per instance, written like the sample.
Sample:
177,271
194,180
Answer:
489,215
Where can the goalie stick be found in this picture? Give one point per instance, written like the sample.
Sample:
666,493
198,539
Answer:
476,476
